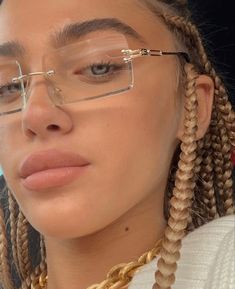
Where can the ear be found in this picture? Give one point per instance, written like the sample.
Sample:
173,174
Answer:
205,96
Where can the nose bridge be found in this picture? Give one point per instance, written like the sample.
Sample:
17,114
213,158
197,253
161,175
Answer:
38,80
41,116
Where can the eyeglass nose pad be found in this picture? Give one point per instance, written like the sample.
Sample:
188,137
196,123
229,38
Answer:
25,91
55,93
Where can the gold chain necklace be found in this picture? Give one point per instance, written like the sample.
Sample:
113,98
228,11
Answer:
119,276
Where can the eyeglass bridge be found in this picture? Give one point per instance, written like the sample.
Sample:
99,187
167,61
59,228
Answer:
21,77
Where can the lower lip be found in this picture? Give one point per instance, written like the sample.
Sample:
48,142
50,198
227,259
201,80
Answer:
53,178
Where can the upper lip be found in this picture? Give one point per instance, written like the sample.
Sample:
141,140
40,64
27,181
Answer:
50,159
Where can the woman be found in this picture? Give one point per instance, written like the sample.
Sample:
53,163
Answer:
116,139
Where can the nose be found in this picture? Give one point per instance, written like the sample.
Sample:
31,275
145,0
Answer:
41,118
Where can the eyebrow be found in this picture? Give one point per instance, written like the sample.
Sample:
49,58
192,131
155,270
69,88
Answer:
75,31
11,48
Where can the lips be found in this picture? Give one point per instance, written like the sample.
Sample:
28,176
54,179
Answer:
50,169
49,160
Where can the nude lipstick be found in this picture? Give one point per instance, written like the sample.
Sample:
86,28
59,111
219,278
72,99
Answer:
51,168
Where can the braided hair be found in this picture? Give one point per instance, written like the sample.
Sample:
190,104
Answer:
200,185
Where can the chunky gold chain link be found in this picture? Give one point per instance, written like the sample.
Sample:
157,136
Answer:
119,276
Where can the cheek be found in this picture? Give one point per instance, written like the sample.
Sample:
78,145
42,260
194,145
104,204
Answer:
134,141
134,150
12,147
10,138
141,139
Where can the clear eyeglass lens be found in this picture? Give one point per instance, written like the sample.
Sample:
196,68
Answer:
10,92
82,71
90,69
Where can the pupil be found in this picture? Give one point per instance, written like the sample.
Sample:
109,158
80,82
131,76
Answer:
100,69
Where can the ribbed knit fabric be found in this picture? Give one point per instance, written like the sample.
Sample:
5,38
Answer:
207,259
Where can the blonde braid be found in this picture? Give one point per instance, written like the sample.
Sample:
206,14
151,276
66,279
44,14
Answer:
225,116
23,246
223,107
43,264
199,213
13,216
183,191
218,160
207,179
5,273
226,175
171,182
222,162
192,39
32,281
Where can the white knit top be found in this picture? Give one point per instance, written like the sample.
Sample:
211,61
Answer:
207,259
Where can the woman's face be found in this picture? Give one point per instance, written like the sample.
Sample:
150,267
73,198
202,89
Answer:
128,139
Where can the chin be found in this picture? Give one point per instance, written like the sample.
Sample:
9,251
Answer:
65,226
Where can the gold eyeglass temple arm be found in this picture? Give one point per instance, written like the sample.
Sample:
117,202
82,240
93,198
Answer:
131,54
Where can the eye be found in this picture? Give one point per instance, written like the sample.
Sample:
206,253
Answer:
101,69
9,88
9,91
99,72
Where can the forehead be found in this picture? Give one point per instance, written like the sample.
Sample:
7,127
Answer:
33,23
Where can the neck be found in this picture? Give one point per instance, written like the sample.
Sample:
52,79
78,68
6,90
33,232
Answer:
82,262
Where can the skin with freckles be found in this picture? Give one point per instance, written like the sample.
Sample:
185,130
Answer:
114,211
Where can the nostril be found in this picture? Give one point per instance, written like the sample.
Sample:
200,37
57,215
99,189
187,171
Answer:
53,127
